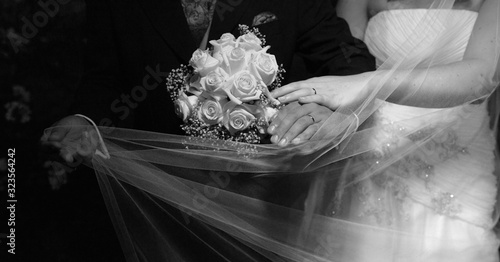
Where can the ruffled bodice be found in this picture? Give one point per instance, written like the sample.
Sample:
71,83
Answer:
421,36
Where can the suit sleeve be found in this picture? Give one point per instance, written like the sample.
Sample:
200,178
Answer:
326,44
99,90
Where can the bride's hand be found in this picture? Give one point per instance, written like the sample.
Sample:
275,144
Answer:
329,91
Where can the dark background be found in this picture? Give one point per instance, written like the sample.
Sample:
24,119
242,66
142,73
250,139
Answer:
60,213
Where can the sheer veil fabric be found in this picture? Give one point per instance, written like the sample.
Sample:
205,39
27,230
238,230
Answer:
383,182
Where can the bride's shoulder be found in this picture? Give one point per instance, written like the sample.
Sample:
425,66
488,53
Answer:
376,6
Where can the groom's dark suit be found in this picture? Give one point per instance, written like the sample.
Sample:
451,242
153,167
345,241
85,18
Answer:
133,44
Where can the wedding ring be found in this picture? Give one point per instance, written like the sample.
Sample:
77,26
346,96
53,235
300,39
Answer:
312,118
314,91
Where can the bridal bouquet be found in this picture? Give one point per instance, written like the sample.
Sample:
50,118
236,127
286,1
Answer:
224,93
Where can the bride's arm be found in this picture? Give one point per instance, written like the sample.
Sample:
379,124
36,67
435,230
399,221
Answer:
472,77
437,86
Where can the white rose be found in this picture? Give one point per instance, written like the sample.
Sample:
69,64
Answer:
237,119
227,38
211,111
265,67
203,62
215,82
184,106
224,45
249,41
194,85
245,86
238,60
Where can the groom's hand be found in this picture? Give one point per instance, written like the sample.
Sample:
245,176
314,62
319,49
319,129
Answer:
297,123
68,135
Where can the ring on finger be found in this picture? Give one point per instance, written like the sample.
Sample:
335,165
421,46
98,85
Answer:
312,118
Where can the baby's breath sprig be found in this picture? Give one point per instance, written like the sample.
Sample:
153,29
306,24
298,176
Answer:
250,136
177,79
196,128
244,29
279,79
243,148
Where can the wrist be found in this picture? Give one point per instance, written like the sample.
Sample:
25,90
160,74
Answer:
87,119
371,80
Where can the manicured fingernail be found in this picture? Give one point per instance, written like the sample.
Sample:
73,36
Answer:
296,141
274,139
282,98
271,129
283,142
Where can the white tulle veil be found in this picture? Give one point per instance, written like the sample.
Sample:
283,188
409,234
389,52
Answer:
150,174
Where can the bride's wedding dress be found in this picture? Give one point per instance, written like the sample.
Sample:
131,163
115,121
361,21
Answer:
440,195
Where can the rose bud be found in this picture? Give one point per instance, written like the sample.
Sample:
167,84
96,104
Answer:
238,60
249,42
184,106
194,85
203,62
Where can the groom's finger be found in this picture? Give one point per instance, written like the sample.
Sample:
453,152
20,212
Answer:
298,127
282,114
294,122
311,114
58,133
306,135
54,136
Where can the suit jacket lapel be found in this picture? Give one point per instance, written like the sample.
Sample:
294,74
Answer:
168,19
226,17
